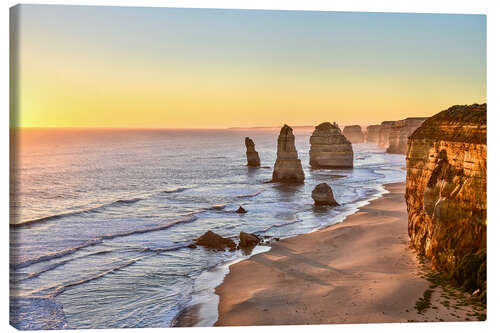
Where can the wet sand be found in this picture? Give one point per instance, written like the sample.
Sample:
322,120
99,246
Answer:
359,271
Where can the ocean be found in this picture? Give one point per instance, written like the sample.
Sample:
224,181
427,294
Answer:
100,219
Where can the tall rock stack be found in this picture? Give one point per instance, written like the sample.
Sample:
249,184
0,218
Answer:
252,156
400,131
354,134
446,192
287,168
372,133
385,130
329,148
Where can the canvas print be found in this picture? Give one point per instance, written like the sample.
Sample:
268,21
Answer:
178,167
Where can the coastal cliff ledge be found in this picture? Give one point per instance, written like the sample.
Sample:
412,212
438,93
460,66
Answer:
446,193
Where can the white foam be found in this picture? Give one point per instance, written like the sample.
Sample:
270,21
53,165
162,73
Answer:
204,289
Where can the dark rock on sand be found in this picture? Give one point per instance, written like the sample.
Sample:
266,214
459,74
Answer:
323,195
213,241
248,240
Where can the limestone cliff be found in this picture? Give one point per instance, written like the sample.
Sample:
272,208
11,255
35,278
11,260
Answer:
354,134
372,133
399,133
385,130
446,192
253,158
329,148
287,168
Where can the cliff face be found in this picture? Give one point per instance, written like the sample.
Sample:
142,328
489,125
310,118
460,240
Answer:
287,168
329,148
383,136
354,134
399,133
372,133
446,191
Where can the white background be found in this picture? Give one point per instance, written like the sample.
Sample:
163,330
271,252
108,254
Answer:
491,8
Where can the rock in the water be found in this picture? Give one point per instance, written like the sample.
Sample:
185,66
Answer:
329,147
383,135
253,158
323,195
354,134
446,191
248,240
213,241
241,210
372,133
400,131
287,168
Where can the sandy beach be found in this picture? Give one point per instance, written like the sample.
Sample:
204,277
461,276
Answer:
359,271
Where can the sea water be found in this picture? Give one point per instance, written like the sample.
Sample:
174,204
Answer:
102,218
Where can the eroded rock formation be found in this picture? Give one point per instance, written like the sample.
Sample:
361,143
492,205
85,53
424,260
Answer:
372,133
399,133
323,195
446,192
383,135
329,148
253,158
287,168
354,134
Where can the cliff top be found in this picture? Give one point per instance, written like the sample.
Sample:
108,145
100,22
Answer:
462,123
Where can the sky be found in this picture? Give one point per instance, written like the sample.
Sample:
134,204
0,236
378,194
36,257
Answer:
132,67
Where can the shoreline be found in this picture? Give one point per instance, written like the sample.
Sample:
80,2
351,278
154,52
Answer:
361,270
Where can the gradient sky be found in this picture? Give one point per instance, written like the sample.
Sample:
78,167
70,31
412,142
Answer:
85,66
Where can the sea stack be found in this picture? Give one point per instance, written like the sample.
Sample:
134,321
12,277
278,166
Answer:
446,193
383,135
372,133
323,195
329,147
252,156
354,134
400,131
287,168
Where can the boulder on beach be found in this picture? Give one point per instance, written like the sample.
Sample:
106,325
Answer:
287,168
241,210
329,147
253,158
323,195
248,240
214,241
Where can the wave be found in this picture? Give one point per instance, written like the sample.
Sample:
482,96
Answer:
277,225
55,290
97,240
250,194
36,313
176,190
116,203
216,207
58,264
55,254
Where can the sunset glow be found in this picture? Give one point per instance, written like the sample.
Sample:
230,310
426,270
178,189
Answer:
188,68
